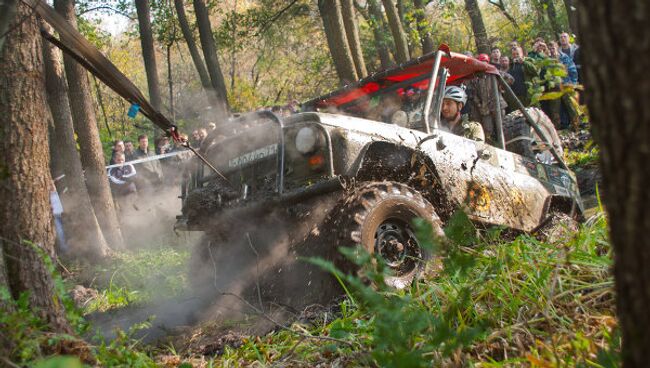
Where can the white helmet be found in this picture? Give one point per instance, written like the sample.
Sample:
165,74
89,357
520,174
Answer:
456,93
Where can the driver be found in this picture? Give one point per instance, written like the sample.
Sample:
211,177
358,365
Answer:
451,118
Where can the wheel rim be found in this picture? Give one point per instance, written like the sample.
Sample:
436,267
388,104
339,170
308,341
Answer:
396,243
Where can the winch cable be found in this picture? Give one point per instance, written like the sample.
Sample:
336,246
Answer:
74,44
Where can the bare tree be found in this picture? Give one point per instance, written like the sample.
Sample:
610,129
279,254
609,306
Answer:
331,13
616,81
211,60
396,28
26,233
85,123
148,52
352,35
191,44
478,27
82,229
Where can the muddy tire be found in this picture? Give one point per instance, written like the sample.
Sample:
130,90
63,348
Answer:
379,217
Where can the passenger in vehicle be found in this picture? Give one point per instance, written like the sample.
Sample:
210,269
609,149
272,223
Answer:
452,120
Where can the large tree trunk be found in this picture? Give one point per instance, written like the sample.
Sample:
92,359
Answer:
85,123
352,34
148,52
380,33
26,229
424,29
211,60
478,27
551,12
331,13
194,51
613,34
571,15
83,234
396,28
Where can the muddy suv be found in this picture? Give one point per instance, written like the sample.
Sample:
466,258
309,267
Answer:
332,176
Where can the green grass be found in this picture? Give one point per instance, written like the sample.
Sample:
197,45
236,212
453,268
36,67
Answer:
138,277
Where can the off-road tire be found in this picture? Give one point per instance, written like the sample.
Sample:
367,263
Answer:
520,135
378,216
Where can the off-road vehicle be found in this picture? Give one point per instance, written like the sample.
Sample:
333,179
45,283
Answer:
330,176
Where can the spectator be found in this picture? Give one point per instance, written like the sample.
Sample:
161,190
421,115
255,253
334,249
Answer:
568,47
162,145
196,138
483,57
521,71
118,146
150,171
504,64
128,150
513,44
495,56
212,126
572,72
568,111
121,177
203,133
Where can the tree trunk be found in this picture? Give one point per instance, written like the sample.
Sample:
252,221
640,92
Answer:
197,59
148,52
83,234
423,26
352,34
85,123
571,15
380,33
478,27
396,28
552,18
210,53
25,214
330,12
613,35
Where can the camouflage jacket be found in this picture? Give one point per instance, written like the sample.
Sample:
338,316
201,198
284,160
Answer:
466,128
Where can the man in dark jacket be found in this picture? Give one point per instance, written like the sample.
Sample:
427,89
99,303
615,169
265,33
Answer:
150,172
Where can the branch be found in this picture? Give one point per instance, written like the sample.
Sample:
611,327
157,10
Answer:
106,7
502,7
275,17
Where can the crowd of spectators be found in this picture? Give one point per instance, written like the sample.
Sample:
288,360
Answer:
522,68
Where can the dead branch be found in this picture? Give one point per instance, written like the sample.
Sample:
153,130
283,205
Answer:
502,7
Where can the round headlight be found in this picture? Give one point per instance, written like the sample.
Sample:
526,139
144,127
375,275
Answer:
306,140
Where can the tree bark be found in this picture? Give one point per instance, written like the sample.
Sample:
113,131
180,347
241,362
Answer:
613,34
210,53
571,15
26,233
83,234
331,13
380,33
423,27
197,59
352,34
148,52
396,28
478,27
85,123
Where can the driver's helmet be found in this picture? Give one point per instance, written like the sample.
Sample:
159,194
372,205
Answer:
456,93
